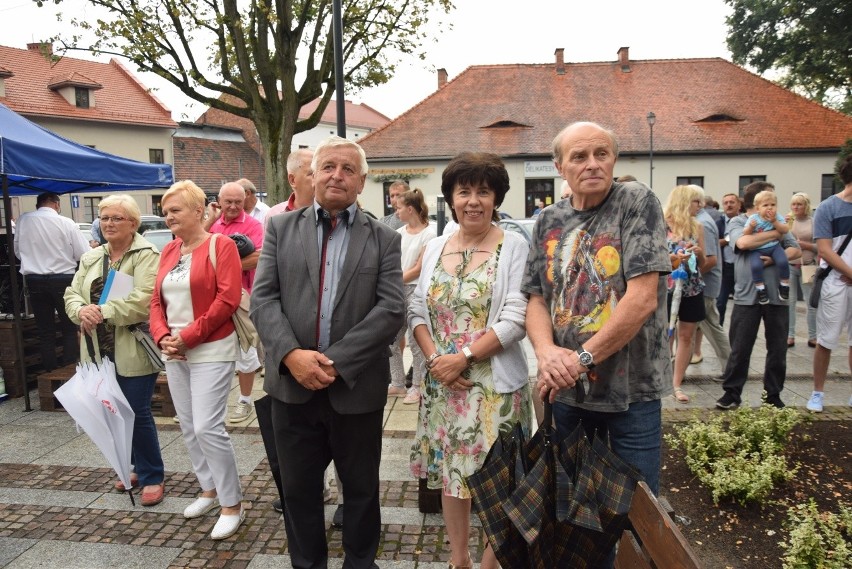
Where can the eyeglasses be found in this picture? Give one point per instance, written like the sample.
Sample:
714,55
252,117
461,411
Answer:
112,218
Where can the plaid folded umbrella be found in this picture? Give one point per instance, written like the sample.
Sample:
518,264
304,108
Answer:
491,486
567,502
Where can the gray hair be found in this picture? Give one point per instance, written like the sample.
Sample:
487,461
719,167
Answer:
247,185
294,159
334,141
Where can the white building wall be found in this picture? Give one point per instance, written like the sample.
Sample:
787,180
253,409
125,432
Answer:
311,138
122,140
790,174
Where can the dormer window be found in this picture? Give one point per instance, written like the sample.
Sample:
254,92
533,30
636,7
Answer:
506,123
719,118
76,88
81,96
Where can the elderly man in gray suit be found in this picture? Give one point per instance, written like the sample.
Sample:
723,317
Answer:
327,302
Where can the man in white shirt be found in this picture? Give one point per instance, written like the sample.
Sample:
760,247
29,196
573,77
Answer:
254,207
49,247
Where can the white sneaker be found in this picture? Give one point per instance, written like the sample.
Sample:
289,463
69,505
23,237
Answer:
242,412
227,525
815,402
200,507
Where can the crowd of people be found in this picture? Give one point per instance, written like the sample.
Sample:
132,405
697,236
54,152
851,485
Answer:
614,293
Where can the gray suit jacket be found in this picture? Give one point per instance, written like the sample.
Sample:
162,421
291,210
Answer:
367,313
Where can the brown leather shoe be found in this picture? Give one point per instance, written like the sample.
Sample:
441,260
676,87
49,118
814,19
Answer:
153,495
134,483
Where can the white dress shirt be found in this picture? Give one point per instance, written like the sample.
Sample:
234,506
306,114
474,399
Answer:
48,243
259,211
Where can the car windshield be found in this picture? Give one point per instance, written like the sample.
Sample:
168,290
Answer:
150,222
159,238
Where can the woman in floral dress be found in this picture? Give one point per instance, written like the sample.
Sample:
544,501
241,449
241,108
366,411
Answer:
467,313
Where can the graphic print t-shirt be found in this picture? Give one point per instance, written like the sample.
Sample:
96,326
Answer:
580,263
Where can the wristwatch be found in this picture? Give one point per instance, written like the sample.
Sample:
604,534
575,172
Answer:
586,359
469,355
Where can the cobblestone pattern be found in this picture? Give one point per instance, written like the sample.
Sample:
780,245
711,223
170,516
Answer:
262,532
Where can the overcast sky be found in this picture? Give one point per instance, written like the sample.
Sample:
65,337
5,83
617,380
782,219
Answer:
484,32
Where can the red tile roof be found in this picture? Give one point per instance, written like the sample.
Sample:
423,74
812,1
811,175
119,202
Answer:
122,98
210,162
357,116
517,110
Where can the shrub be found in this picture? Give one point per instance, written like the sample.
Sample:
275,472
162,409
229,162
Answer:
739,454
818,540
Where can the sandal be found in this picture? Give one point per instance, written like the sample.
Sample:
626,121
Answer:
468,565
680,396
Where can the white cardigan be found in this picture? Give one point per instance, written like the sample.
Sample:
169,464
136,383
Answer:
508,308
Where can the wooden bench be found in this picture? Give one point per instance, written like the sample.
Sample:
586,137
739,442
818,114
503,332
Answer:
161,402
653,541
48,383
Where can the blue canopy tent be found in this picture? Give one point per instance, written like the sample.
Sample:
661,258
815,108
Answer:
34,160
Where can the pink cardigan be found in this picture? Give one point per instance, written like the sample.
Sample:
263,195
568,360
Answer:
215,294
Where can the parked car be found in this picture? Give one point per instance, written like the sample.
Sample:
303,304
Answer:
85,230
159,237
522,226
152,222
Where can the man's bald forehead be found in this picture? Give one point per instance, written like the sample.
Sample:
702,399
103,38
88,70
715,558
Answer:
231,187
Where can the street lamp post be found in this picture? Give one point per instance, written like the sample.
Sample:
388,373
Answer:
652,118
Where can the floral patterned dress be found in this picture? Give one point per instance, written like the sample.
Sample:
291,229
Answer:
456,428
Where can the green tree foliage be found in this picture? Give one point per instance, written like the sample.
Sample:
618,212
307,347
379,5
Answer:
259,59
808,41
845,151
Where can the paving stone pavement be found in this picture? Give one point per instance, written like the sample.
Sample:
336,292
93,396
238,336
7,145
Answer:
58,509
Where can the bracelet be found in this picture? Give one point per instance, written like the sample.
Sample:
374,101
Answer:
430,361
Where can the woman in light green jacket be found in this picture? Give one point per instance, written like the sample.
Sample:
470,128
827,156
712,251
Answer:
104,327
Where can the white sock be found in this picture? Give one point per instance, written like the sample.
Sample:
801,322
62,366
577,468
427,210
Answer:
760,287
245,399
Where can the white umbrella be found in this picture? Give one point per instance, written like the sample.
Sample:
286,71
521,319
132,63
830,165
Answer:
95,401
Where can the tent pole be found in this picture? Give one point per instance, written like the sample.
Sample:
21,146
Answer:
16,297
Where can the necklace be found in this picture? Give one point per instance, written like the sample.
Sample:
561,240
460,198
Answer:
466,254
116,256
188,247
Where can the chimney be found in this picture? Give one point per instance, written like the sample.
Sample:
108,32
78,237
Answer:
560,61
45,48
442,77
624,59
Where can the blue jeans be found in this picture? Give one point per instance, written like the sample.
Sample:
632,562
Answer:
634,435
779,258
145,450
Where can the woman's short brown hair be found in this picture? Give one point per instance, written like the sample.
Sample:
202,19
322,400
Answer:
475,168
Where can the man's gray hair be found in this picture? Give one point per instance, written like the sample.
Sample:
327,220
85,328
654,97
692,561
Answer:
333,141
294,159
557,142
247,185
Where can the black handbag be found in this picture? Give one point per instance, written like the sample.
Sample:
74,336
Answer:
819,277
